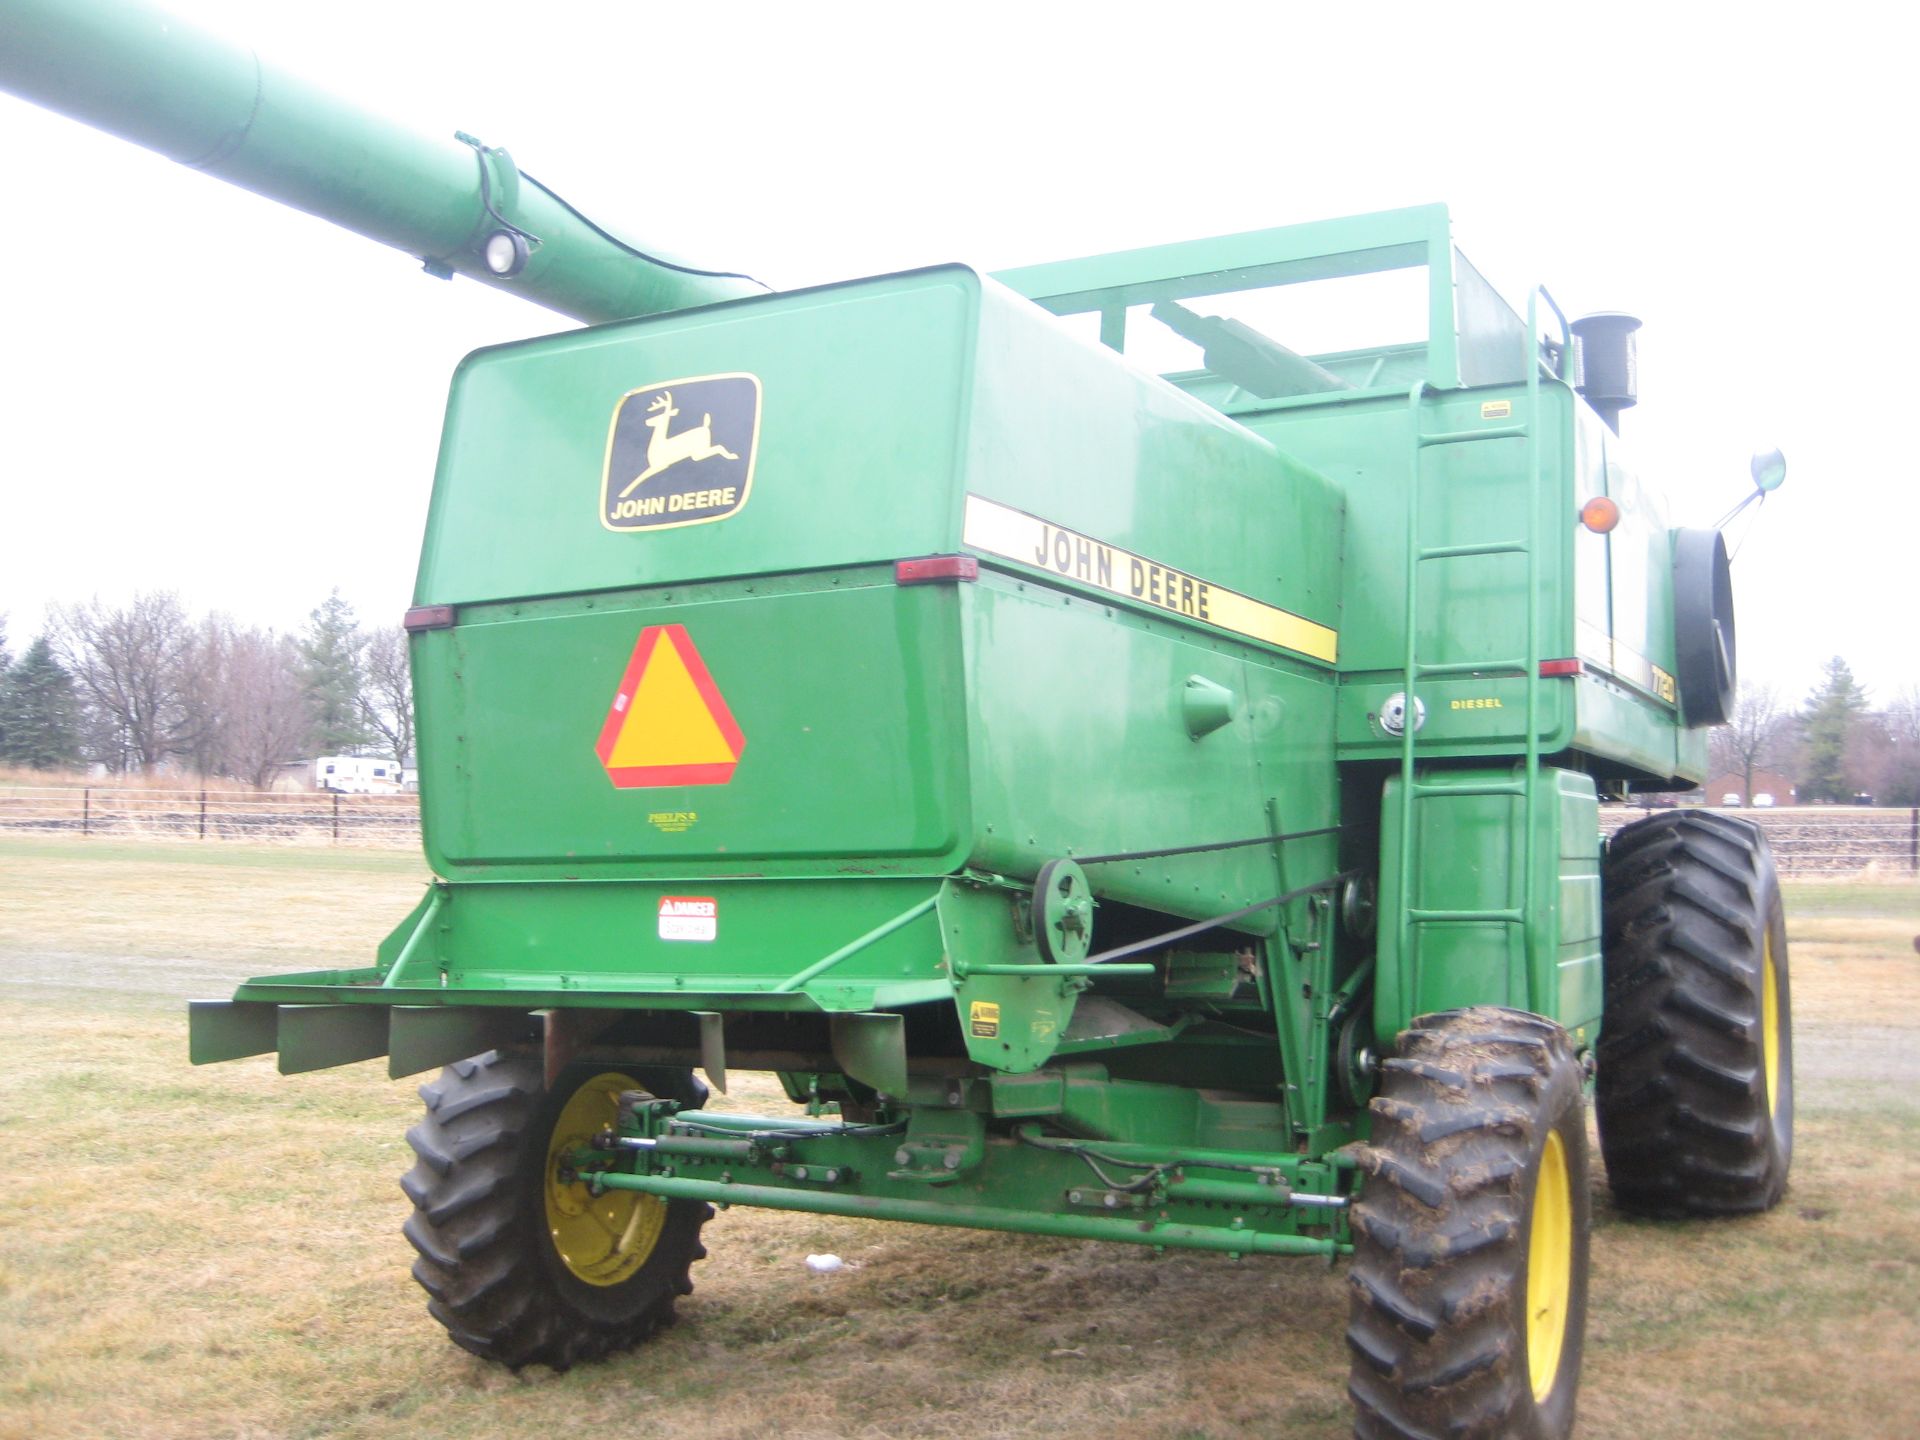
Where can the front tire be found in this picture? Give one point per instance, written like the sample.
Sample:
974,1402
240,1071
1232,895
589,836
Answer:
1695,1090
1469,1278
520,1263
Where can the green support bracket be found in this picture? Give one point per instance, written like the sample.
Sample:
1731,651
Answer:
872,1048
425,1037
713,1047
317,1037
229,1030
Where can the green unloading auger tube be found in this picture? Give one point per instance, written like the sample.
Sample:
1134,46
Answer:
218,107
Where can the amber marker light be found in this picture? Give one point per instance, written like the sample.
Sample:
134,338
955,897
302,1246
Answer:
1600,514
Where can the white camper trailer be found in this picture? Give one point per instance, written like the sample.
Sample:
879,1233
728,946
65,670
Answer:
359,775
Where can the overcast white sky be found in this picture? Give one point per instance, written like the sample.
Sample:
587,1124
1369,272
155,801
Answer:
202,391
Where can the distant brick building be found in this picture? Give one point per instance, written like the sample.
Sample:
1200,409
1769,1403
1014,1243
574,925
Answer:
1732,789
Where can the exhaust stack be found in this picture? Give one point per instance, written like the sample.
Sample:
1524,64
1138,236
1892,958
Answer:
1607,367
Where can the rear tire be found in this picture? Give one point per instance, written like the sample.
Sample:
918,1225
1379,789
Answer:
1695,1089
519,1267
1469,1279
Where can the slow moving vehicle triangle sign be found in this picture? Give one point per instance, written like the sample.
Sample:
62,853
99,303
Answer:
669,724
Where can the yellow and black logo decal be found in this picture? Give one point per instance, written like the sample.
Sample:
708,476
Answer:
983,1019
681,453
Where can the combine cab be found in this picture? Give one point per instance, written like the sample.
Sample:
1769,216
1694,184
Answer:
1159,808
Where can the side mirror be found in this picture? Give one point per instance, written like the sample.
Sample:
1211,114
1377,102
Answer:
1769,470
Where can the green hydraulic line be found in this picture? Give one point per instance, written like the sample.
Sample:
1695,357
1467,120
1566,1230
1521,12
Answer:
216,106
933,1212
758,1124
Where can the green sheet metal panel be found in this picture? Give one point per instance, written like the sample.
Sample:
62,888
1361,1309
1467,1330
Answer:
846,697
1469,855
893,413
862,389
615,940
1063,431
1571,971
1078,746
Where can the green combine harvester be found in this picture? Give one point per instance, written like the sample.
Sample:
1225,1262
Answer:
1150,808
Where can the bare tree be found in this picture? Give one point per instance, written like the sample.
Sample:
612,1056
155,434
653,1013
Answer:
1883,751
129,663
267,714
1752,739
203,689
386,692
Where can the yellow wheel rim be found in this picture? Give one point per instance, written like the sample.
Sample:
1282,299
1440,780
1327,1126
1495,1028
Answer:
1770,1022
601,1239
1549,1269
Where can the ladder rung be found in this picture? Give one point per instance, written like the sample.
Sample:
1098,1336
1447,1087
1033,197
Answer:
1516,667
1500,917
1500,787
1467,437
1491,547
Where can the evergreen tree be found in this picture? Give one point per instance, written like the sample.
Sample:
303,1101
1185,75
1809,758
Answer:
1828,722
332,669
39,712
6,664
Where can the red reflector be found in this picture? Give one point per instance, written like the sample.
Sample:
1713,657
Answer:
428,617
936,568
1559,667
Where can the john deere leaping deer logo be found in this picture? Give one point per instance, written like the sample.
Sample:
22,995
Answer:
662,472
665,450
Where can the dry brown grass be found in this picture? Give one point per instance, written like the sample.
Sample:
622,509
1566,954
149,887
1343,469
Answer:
215,1253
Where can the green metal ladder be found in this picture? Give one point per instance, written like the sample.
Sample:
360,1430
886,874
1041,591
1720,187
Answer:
1525,667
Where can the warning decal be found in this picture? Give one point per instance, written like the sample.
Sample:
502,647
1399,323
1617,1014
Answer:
669,724
689,917
983,1019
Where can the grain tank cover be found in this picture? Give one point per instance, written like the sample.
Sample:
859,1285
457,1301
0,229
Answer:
742,479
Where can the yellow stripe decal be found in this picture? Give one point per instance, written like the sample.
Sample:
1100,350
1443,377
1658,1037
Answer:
1015,535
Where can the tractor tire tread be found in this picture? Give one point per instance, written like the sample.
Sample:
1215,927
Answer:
1686,1122
1440,1227
482,1247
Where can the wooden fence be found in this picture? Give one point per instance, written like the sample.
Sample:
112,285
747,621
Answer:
133,812
1821,839
1811,840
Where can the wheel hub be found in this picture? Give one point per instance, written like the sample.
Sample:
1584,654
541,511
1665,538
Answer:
1549,1268
1770,1023
601,1239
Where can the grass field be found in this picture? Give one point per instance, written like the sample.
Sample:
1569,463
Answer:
216,1253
